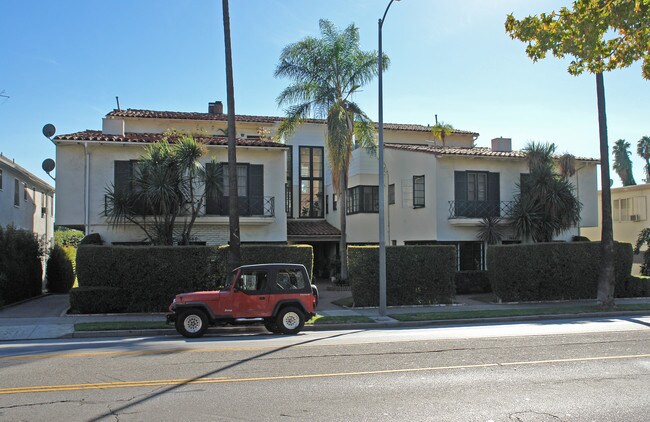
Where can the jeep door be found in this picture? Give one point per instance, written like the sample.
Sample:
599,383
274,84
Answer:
250,296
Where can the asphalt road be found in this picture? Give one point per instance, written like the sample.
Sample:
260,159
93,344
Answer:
570,370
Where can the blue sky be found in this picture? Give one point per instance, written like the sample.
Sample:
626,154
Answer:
64,62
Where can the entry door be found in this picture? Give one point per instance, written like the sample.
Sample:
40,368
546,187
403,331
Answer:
252,299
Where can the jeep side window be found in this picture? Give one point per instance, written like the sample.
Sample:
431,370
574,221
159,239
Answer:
253,281
289,280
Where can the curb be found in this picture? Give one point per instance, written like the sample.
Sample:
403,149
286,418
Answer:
362,326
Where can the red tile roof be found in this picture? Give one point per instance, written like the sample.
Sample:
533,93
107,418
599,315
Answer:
474,152
183,115
311,228
129,137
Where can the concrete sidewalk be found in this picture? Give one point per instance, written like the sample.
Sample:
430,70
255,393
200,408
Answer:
45,317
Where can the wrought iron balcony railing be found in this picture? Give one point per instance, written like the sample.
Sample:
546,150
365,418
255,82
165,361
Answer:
249,206
480,209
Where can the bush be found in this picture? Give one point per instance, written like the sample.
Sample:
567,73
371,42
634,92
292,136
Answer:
92,239
21,270
415,275
64,236
472,282
553,271
59,273
636,287
146,278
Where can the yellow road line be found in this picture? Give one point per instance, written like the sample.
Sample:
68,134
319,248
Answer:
179,382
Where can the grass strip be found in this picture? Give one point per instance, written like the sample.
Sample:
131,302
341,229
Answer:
495,313
324,320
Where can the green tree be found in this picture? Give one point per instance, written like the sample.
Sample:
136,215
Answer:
169,185
545,205
600,35
234,251
622,163
643,149
326,73
644,239
441,130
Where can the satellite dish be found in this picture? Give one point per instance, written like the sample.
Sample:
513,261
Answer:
49,130
48,165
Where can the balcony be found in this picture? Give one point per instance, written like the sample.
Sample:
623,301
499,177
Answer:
474,211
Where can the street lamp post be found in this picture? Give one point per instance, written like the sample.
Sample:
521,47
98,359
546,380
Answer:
382,243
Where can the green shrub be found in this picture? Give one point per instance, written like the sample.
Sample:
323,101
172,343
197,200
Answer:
92,239
21,270
59,273
636,287
64,236
472,282
552,271
415,275
148,277
97,300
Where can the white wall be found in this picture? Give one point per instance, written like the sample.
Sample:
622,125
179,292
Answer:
70,185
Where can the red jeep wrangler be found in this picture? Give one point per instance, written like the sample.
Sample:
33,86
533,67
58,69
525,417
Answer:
279,294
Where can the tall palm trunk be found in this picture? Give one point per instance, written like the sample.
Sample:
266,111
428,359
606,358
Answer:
234,252
343,242
606,277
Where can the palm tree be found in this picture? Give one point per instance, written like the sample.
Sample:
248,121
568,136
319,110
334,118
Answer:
545,205
441,130
643,149
326,73
490,230
567,165
234,251
622,162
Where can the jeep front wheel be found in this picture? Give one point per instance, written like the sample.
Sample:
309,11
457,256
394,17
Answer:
290,320
192,323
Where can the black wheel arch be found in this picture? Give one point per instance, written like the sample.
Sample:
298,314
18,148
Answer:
289,302
185,306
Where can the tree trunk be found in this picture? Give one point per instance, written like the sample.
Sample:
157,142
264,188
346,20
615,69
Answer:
606,280
234,251
343,243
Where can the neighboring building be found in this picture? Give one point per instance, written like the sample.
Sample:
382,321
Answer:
26,202
629,215
435,194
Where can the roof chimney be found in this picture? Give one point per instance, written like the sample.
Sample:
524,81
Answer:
502,144
215,107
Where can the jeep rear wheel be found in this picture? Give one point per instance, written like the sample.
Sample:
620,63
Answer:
290,320
192,323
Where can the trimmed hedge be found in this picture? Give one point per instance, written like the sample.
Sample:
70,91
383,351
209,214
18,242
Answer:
59,273
472,282
21,268
146,278
635,287
553,271
415,275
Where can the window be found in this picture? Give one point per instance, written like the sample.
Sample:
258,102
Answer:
16,193
289,280
363,199
418,191
470,256
630,209
334,202
312,195
288,189
327,204
476,194
250,190
1,179
123,182
252,282
391,194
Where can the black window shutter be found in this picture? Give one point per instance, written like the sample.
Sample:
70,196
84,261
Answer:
460,193
256,188
122,180
494,194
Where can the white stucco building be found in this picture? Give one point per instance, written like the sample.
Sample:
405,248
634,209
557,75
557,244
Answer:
26,201
435,193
